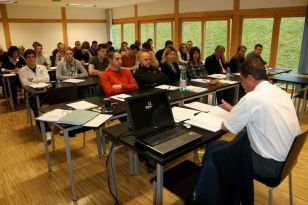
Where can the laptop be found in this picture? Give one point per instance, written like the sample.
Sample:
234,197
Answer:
151,121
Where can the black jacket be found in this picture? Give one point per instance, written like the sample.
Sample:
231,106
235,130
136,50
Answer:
8,65
226,176
172,75
212,65
149,77
235,63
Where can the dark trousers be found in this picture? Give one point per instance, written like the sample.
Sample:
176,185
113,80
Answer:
265,167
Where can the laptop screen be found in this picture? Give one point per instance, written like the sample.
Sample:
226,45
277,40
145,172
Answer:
149,113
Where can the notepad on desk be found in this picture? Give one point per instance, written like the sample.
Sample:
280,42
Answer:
39,85
180,114
217,76
82,105
198,80
213,110
78,117
72,80
195,89
54,115
98,120
206,121
167,87
120,97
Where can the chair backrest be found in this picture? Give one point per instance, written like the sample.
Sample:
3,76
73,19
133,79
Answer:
293,154
62,94
99,90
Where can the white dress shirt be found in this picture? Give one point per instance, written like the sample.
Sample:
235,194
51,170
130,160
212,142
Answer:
270,118
39,76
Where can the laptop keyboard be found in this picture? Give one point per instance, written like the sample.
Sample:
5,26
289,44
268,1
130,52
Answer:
163,136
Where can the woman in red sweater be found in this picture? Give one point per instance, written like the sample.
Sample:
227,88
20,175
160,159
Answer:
115,80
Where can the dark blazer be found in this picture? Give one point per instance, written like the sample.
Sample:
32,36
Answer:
149,77
226,176
8,65
235,63
159,56
172,75
212,65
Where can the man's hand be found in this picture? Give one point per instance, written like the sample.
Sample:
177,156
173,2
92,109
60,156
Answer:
76,75
119,87
226,106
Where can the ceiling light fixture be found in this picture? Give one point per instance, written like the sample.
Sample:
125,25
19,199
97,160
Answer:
7,1
81,5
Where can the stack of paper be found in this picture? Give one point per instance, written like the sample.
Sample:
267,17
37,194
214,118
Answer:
73,80
53,116
206,121
200,80
82,105
120,97
78,117
181,114
167,87
217,76
98,120
39,85
213,110
195,89
228,81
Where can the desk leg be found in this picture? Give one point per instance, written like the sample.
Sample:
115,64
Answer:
214,99
303,105
10,94
98,141
28,110
114,174
236,94
130,159
43,131
159,184
7,98
70,165
103,142
135,157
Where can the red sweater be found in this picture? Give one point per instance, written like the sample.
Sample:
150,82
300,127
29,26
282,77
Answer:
108,78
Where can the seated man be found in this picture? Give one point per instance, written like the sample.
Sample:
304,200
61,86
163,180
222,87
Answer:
100,62
269,116
41,58
257,54
83,55
129,59
93,48
147,47
160,53
32,73
77,47
115,80
147,75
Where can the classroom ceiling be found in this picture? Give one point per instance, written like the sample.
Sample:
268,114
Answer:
63,3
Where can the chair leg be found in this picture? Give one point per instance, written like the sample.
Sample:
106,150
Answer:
84,139
154,192
290,188
270,195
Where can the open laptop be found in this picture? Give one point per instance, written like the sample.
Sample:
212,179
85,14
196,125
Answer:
151,120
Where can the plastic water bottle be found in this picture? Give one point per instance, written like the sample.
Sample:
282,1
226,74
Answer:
183,81
228,74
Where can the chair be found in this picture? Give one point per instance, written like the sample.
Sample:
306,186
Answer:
61,95
219,179
300,97
286,169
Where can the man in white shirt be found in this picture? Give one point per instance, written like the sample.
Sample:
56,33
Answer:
269,116
32,73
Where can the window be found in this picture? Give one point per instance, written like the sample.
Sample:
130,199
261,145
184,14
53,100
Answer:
215,34
163,33
129,33
191,30
116,36
290,41
258,31
147,31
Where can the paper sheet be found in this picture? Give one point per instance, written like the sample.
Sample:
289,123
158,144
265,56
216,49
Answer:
82,105
52,68
200,80
73,80
98,120
218,76
39,85
181,114
9,75
195,89
120,97
213,110
167,87
53,116
228,81
206,121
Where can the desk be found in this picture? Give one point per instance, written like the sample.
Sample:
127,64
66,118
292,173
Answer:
115,131
276,71
298,79
6,81
90,81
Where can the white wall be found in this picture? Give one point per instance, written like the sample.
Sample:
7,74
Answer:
48,34
2,39
86,32
85,13
156,8
255,4
205,5
38,12
123,12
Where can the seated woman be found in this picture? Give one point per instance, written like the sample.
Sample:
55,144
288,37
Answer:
11,64
237,59
183,55
170,66
195,68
